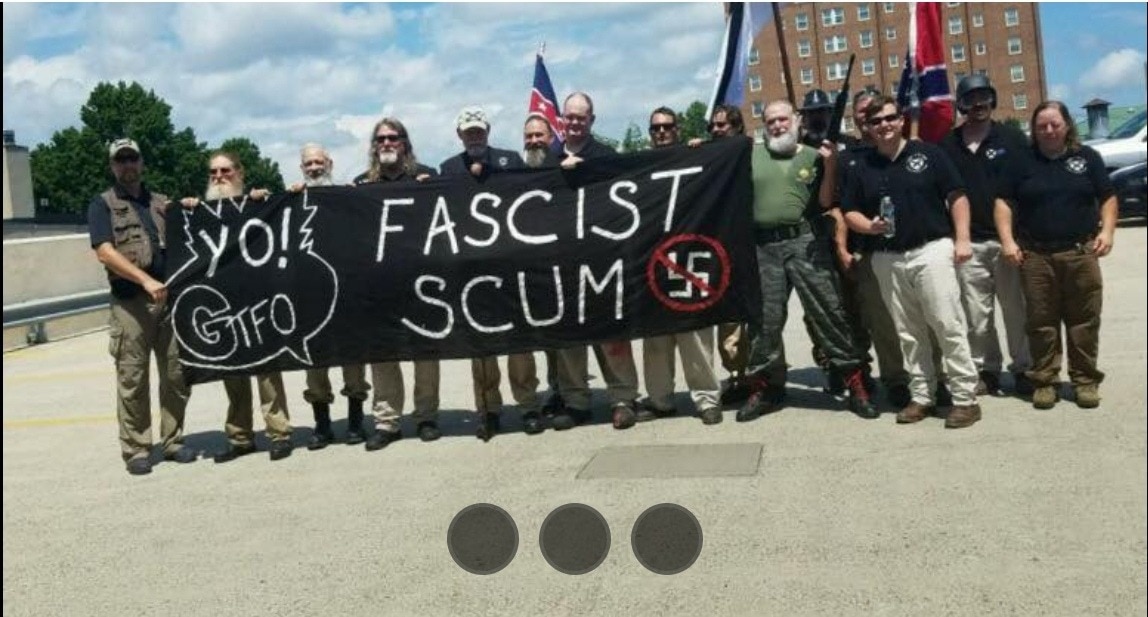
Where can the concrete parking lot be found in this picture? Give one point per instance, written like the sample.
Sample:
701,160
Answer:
809,511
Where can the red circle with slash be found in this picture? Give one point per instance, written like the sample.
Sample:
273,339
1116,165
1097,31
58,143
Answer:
660,258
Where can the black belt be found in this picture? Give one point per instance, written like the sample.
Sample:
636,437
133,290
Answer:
785,232
1057,246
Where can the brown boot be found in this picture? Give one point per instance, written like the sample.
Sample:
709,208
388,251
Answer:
963,415
914,412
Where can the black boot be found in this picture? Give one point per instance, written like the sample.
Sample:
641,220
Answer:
354,422
322,437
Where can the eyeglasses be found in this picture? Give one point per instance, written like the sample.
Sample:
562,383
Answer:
382,139
219,171
658,128
576,118
879,120
127,158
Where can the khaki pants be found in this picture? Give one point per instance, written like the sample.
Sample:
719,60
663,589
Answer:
1064,287
355,385
697,352
615,360
241,415
387,407
733,347
136,330
921,290
876,319
986,279
522,373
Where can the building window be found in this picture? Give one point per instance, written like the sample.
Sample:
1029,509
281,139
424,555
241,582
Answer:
1014,47
868,67
1019,101
758,109
755,83
1016,73
836,43
978,20
956,25
863,12
806,76
1024,125
981,71
958,53
804,49
759,135
958,76
836,70
1011,17
889,6
894,61
832,17
849,126
894,87
890,34
980,49
866,38
754,56
953,4
801,20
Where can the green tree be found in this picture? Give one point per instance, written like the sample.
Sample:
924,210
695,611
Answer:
607,141
73,166
634,140
259,172
692,122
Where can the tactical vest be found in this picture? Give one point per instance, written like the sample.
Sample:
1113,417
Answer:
129,235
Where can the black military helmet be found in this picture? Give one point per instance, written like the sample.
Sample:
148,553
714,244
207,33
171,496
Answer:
816,99
972,83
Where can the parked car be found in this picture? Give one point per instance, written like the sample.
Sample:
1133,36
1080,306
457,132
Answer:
1131,184
1125,146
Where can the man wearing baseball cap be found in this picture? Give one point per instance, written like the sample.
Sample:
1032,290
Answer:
477,157
126,226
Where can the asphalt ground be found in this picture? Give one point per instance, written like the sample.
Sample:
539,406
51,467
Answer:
808,511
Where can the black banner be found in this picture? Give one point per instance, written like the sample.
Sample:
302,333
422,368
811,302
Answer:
457,267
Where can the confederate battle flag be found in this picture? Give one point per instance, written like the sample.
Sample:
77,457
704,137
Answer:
544,103
924,88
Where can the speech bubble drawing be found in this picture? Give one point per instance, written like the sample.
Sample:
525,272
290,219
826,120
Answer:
237,328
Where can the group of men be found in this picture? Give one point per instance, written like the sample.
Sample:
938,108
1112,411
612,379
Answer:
815,231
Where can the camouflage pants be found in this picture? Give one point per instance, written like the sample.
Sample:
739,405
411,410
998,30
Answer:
804,264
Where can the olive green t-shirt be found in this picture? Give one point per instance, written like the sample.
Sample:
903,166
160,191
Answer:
783,187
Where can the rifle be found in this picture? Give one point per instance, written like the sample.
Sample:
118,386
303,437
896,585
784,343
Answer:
834,133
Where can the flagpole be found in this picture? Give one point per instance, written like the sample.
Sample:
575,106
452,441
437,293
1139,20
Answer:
914,76
784,53
542,48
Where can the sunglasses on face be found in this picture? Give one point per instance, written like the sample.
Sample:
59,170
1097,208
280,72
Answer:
658,128
219,171
382,139
127,158
718,125
879,120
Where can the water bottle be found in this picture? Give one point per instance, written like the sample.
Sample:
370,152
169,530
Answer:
889,215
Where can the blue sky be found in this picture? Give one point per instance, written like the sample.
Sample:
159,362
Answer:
286,74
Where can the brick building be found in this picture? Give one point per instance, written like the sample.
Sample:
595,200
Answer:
1000,40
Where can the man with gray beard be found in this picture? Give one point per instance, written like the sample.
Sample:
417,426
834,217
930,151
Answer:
789,196
316,165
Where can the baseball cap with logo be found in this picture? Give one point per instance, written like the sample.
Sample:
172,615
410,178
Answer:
122,144
472,117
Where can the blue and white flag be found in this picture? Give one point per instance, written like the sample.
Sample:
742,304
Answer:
743,23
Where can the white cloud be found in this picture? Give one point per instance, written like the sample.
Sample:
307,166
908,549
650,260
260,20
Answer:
1115,70
1060,92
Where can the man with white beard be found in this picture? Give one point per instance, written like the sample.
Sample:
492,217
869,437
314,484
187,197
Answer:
789,195
478,157
225,181
316,165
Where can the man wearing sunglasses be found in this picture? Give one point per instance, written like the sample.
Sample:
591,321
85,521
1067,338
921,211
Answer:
909,197
696,347
789,197
126,226
983,151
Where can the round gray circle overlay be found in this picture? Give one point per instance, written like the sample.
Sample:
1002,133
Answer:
667,539
574,539
482,538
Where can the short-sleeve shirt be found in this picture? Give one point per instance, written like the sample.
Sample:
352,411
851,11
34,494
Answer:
919,181
1058,200
784,187
100,231
983,172
419,170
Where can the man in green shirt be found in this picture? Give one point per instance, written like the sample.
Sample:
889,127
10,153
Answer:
791,185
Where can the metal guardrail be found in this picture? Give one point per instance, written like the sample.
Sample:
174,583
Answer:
36,313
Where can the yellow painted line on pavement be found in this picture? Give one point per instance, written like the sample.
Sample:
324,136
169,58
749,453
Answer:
64,421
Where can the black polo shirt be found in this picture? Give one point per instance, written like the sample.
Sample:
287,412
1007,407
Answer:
594,149
1058,200
919,181
984,170
495,159
854,149
419,170
100,231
